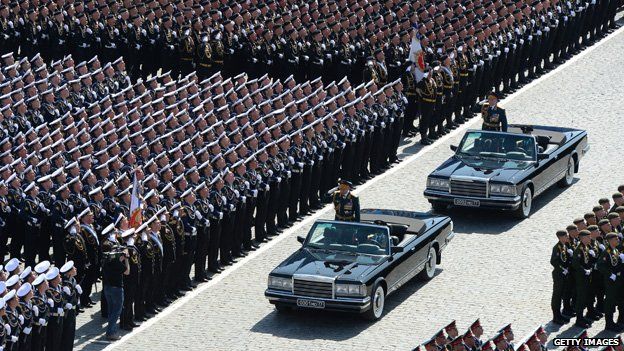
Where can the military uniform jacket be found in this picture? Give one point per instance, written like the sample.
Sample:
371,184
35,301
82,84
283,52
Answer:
42,312
55,301
32,213
347,207
5,212
581,262
89,235
560,259
25,310
494,117
609,263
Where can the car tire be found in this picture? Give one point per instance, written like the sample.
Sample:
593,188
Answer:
378,302
568,179
438,206
281,308
430,266
526,202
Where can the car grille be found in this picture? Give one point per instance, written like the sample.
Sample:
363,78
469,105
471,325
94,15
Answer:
475,188
313,289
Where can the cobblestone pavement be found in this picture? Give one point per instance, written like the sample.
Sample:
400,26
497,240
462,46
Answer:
497,268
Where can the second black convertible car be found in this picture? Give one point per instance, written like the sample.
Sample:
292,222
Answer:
507,170
353,266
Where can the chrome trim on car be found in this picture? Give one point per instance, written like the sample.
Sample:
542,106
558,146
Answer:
316,279
469,179
362,300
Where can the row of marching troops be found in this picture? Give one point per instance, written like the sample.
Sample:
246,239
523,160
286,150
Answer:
38,306
588,261
494,46
449,339
229,162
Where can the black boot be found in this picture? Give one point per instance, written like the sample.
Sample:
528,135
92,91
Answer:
610,325
581,322
558,318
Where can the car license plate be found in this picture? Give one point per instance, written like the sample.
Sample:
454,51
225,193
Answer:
467,202
310,303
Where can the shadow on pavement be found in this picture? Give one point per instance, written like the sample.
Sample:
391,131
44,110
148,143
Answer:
328,325
469,221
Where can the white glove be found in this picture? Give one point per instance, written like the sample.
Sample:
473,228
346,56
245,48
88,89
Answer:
601,247
51,302
35,310
570,252
60,311
220,215
42,321
612,277
89,31
27,330
7,327
565,271
198,215
21,319
592,253
66,290
506,50
622,257
588,271
14,339
176,214
71,208
103,212
69,306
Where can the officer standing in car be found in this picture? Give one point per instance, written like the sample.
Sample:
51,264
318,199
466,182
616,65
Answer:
494,117
346,204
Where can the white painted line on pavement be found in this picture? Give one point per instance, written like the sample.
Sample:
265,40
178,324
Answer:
299,225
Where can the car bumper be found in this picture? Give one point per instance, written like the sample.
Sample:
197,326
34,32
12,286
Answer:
343,304
497,202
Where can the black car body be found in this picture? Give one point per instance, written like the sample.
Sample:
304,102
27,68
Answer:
521,165
315,276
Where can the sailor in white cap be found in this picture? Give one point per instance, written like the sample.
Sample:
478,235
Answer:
57,309
71,293
24,294
27,275
130,281
41,311
10,303
34,213
42,267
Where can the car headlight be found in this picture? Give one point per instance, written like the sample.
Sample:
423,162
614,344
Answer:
280,283
438,183
350,290
502,189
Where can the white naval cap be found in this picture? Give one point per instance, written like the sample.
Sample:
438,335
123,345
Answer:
11,265
39,280
9,296
53,273
67,266
24,290
42,267
25,273
14,279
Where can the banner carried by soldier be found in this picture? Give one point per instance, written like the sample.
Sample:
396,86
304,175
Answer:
136,217
417,56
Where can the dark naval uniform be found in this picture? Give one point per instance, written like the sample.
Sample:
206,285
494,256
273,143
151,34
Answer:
494,118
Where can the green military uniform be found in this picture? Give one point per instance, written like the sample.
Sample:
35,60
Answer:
581,263
347,207
610,265
560,259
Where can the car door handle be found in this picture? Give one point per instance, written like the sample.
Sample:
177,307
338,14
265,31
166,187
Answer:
413,248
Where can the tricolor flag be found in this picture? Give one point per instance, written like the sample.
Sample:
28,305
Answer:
417,56
136,213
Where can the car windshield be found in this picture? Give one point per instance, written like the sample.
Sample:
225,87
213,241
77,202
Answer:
349,238
498,146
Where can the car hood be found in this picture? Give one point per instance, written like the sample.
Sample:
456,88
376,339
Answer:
482,168
329,264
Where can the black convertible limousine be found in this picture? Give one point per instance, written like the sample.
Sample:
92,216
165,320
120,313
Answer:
353,266
507,170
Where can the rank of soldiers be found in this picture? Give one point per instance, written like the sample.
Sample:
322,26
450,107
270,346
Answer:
222,165
470,47
449,339
588,261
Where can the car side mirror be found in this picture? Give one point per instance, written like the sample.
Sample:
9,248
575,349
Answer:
453,147
396,249
301,239
542,157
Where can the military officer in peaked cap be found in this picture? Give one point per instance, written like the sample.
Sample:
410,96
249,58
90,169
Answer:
346,204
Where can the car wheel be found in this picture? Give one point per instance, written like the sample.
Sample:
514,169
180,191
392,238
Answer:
569,175
526,201
378,302
439,206
430,267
